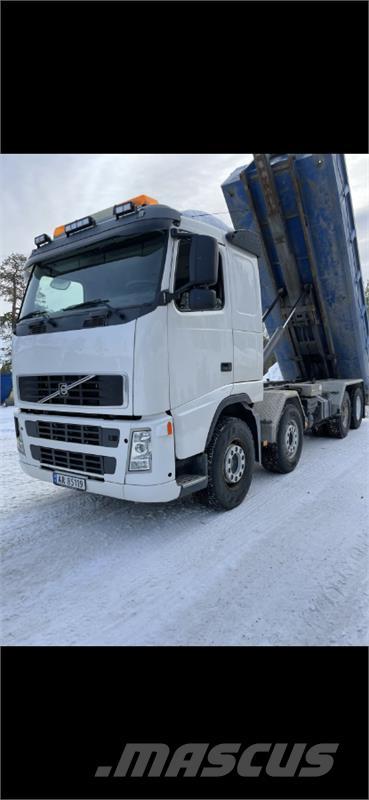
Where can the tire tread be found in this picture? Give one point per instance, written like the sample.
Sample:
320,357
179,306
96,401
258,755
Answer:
272,457
210,495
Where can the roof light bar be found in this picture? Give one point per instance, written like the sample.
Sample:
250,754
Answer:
78,224
58,231
124,208
42,239
144,200
133,204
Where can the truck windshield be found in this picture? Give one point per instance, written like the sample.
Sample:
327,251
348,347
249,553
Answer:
120,276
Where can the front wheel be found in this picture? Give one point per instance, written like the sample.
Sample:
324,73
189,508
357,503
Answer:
231,460
284,455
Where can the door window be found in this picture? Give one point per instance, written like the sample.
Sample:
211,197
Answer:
182,278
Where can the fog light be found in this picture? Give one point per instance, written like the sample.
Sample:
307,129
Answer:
18,436
140,453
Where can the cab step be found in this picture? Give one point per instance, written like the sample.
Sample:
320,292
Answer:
191,483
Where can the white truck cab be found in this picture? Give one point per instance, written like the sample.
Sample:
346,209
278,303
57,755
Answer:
138,360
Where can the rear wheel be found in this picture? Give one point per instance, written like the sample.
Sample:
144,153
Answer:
231,459
357,408
340,426
284,455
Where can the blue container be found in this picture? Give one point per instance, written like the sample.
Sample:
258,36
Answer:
314,204
5,386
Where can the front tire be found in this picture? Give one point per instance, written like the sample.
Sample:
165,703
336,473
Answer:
284,455
231,459
357,408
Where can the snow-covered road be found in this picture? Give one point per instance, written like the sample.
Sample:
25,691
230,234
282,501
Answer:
289,566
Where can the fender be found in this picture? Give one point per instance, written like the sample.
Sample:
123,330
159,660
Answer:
249,416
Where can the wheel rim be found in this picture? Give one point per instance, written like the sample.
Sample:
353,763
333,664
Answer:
358,406
345,414
234,463
292,439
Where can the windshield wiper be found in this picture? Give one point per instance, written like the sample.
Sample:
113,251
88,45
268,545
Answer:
35,314
90,304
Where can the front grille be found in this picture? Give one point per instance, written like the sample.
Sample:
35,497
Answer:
79,434
80,462
101,390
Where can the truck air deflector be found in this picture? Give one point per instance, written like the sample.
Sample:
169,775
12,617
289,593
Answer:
246,240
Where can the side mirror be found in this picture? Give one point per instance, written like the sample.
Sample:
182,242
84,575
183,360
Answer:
203,265
202,299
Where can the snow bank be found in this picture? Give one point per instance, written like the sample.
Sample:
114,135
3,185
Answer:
287,567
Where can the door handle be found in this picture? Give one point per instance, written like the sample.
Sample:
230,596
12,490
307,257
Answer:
226,366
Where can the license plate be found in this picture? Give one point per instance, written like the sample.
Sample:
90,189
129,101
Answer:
69,481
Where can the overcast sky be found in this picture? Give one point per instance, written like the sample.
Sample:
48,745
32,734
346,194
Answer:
40,192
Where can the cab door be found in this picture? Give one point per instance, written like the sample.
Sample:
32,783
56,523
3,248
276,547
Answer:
200,343
246,317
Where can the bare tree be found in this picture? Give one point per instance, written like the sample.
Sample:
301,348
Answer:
12,286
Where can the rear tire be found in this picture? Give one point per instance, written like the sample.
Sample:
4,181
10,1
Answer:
339,427
231,458
357,408
284,455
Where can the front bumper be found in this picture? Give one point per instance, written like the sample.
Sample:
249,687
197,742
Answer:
156,485
154,493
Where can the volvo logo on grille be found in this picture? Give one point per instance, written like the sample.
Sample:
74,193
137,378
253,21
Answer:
63,389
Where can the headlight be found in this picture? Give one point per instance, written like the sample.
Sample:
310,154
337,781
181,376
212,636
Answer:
18,435
20,445
140,453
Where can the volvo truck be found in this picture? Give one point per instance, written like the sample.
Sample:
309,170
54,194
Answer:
138,354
